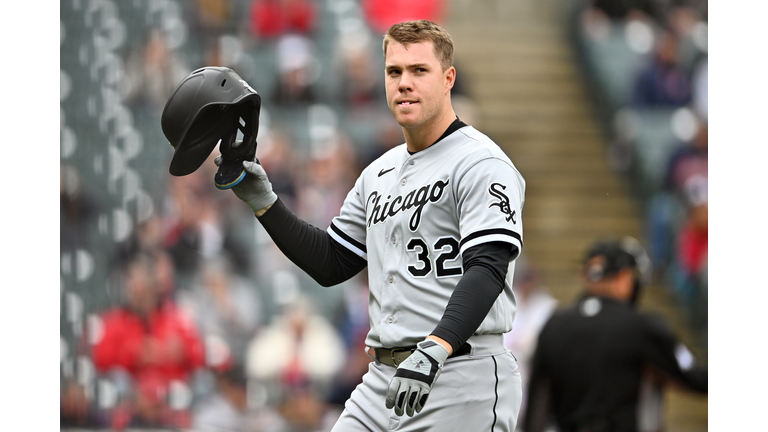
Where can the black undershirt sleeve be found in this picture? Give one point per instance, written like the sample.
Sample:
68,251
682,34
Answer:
310,248
485,268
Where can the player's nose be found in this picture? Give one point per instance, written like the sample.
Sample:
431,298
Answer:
405,84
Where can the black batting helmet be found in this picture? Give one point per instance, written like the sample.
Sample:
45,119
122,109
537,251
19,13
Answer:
619,254
209,106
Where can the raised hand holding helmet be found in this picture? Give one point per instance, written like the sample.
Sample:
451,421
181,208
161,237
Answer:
255,188
210,107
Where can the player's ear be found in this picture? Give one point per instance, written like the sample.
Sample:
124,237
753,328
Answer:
450,78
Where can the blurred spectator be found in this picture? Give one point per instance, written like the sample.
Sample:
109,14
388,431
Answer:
306,411
210,18
233,50
675,13
666,208
197,226
223,306
351,375
275,18
382,14
230,226
598,17
299,351
357,78
621,10
353,326
692,250
329,175
277,154
353,322
182,238
664,82
682,17
213,55
691,253
296,70
227,409
152,343
149,235
146,238
534,307
76,208
388,135
688,161
75,408
166,276
152,72
700,87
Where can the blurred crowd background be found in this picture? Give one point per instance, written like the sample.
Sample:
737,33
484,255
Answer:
646,64
178,311
645,68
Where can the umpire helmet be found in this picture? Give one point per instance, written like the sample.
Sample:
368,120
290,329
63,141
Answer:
619,254
209,106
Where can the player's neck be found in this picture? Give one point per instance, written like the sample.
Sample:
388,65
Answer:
419,138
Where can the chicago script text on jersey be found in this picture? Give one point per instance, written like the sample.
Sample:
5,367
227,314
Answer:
418,198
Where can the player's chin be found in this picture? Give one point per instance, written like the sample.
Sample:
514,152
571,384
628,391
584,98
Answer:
407,122
405,117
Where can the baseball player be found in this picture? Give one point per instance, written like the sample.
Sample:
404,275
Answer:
592,359
438,222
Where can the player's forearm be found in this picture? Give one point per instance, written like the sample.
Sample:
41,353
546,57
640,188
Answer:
485,269
309,247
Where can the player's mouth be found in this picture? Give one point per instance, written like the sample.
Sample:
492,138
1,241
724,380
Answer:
406,103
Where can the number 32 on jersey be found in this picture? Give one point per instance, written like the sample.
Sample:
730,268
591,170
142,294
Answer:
441,256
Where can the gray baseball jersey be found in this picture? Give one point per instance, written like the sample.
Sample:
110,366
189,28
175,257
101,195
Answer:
412,215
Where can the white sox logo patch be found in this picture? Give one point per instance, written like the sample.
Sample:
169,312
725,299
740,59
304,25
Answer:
416,198
503,203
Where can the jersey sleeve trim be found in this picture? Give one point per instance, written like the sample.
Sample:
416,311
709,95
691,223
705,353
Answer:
490,235
347,241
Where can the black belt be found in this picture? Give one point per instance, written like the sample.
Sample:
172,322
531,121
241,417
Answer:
395,356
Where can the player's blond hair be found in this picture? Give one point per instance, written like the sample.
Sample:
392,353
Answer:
421,31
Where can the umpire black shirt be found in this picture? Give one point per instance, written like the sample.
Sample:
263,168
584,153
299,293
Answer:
590,360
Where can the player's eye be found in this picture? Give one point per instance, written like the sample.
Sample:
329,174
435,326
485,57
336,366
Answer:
393,72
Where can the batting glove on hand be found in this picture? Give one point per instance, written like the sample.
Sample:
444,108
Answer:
414,378
255,189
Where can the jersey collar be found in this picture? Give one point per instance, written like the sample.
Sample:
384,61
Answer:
456,125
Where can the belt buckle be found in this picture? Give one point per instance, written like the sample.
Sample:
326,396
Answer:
394,350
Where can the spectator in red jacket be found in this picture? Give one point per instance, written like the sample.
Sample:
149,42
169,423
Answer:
152,342
275,18
693,240
381,14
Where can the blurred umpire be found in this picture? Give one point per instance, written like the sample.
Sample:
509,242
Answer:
593,357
